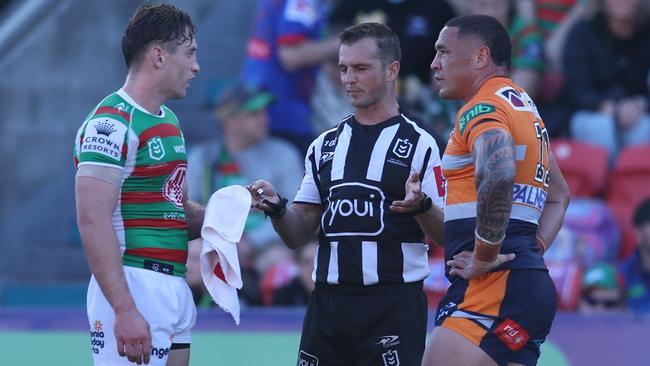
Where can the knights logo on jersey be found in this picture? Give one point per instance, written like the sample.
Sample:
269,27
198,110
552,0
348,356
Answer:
156,148
402,148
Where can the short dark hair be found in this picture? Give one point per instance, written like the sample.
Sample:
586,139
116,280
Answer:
161,23
490,32
386,39
642,213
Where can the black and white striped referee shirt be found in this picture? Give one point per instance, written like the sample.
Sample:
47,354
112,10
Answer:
354,172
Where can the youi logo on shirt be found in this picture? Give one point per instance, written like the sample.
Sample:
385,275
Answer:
354,209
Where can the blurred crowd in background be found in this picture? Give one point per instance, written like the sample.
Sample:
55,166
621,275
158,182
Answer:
585,63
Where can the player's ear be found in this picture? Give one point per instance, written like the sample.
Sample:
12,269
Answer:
392,71
482,57
156,55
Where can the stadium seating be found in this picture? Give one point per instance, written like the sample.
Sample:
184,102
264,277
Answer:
628,185
584,166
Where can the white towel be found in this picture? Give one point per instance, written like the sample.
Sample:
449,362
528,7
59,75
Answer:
223,225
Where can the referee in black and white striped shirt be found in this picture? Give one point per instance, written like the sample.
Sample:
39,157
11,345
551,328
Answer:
374,186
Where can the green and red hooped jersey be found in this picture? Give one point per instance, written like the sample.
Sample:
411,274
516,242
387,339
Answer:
150,151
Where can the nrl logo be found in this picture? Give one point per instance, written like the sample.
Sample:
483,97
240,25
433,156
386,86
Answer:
390,357
402,148
156,148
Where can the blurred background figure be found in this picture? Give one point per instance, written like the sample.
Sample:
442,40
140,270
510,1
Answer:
518,17
555,18
283,54
606,64
602,290
296,292
636,269
417,24
244,151
329,103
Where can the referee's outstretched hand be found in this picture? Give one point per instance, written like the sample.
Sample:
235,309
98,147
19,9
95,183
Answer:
413,198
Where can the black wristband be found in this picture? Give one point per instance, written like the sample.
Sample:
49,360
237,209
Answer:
277,210
425,206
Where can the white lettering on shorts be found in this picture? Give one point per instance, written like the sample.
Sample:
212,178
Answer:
388,341
305,359
390,357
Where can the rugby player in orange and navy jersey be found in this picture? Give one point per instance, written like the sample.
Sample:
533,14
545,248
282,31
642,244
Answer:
506,200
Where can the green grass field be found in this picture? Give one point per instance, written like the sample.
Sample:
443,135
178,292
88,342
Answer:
208,349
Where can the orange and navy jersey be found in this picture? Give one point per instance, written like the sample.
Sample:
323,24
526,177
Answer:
499,103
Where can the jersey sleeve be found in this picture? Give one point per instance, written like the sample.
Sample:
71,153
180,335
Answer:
102,141
298,18
480,117
308,191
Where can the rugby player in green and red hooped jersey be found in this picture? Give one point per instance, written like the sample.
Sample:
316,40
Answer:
132,211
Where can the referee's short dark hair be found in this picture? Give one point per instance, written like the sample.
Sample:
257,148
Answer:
642,213
490,32
387,41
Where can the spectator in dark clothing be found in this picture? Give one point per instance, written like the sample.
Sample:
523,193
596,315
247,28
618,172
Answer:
606,76
518,17
296,292
283,55
636,269
416,23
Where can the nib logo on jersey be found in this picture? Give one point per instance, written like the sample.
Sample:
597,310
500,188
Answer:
354,209
97,336
104,136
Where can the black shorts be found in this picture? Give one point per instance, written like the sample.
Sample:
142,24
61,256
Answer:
508,314
382,325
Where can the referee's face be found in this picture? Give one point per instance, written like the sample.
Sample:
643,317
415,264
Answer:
363,75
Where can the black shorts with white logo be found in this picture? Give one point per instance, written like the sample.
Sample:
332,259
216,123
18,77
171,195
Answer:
381,325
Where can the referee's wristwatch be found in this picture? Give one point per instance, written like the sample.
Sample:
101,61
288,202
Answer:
425,205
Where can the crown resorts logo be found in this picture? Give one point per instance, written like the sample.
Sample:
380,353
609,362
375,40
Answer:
105,128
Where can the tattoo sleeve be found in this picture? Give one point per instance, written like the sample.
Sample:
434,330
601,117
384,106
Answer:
494,162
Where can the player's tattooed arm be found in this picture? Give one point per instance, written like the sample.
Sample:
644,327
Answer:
494,162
